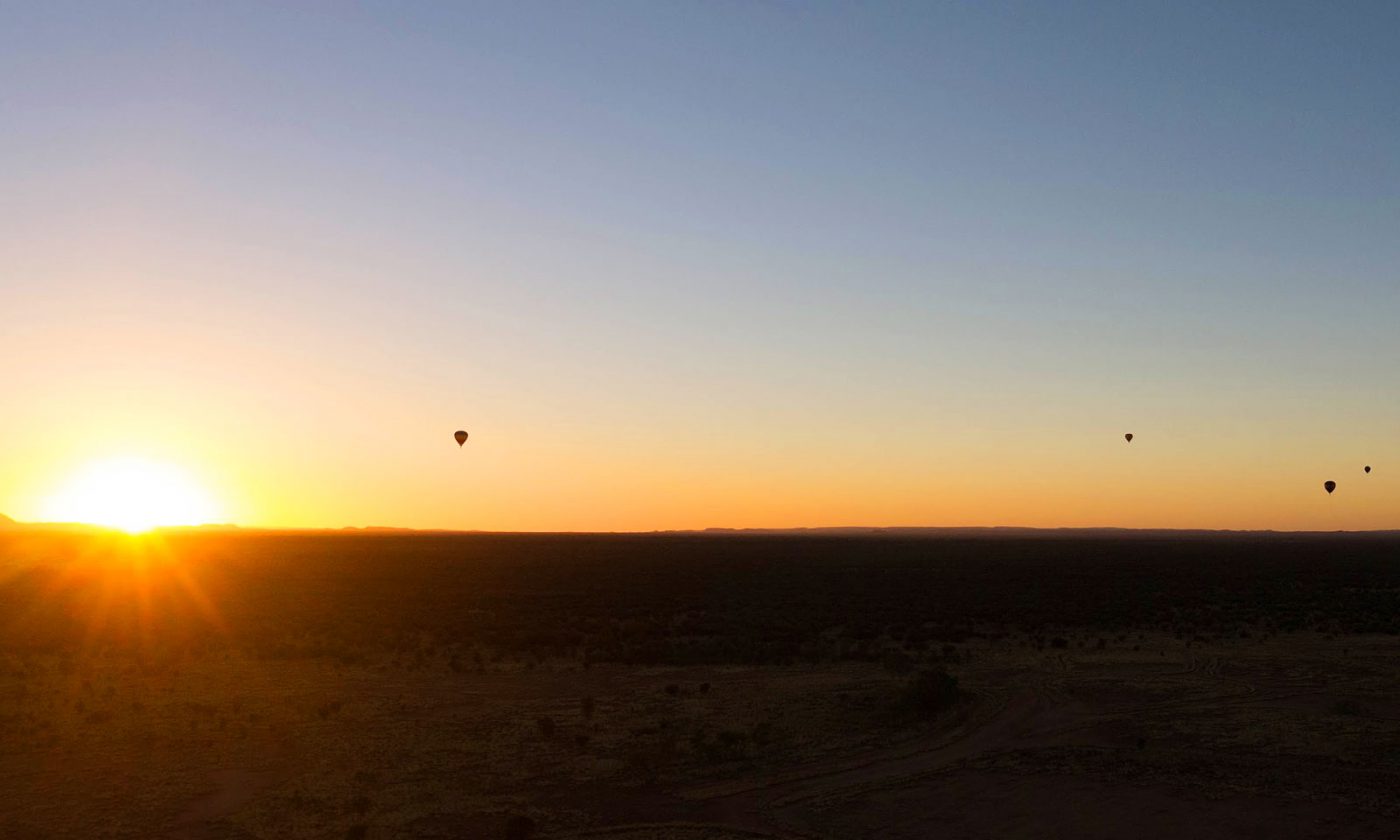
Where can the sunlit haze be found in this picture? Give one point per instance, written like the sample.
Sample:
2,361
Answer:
131,494
680,265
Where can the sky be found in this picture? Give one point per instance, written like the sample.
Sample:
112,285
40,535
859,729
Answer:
680,265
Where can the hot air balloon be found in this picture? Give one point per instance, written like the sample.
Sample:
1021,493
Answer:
1367,468
1329,486
461,437
1128,437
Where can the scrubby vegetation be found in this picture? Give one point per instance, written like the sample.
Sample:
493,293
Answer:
931,692
480,600
430,685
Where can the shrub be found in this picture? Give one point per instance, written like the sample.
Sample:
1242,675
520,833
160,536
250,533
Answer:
1350,708
896,661
726,745
546,725
519,827
930,692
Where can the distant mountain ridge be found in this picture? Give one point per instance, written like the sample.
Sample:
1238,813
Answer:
1013,531
990,532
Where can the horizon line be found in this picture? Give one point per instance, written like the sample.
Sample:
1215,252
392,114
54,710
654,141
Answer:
715,531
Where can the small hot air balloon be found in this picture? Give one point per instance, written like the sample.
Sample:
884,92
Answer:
1128,437
461,437
1329,486
1367,468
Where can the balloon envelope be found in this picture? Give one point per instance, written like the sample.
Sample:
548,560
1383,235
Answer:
1128,437
1368,469
461,437
1329,486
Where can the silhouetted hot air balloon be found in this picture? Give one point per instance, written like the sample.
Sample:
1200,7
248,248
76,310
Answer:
1329,486
1128,437
461,437
1367,468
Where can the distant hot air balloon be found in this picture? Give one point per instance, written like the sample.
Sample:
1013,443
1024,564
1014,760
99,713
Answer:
461,437
1128,437
1367,468
1329,486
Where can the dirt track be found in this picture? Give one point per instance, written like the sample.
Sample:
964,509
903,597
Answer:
967,782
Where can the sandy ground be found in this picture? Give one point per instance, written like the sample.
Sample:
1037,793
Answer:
1289,736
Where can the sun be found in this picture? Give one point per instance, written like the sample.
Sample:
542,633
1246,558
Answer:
133,495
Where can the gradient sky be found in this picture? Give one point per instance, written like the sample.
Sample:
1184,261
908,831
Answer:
708,264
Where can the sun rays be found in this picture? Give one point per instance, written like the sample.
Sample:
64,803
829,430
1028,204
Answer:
114,591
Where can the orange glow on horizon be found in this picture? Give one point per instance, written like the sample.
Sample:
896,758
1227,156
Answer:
520,474
131,494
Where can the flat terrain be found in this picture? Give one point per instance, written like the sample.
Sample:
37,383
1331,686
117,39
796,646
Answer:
699,687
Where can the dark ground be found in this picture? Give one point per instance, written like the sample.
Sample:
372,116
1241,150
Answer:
692,686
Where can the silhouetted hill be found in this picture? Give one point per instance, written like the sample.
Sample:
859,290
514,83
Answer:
1013,532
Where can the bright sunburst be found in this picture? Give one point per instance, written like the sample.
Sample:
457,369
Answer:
132,494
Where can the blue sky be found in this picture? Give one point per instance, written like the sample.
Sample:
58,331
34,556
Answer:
733,234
